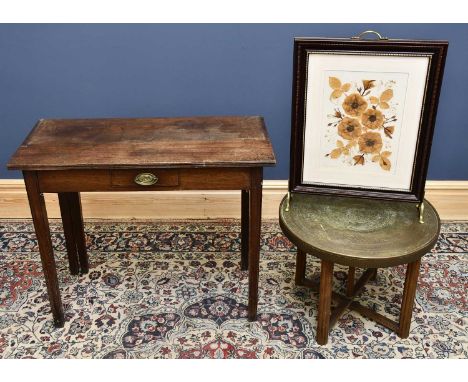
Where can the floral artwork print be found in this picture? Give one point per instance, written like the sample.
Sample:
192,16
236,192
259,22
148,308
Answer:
364,122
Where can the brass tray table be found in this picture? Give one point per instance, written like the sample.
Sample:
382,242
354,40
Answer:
358,233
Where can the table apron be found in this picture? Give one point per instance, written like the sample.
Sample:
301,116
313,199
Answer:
124,179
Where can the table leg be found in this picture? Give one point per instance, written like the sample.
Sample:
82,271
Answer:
72,218
350,281
255,216
409,292
41,226
67,222
374,275
301,262
245,229
78,230
324,305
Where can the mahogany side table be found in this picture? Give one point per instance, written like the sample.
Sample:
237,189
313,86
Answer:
155,154
361,233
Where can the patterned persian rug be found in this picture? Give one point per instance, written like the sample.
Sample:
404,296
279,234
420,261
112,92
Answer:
175,290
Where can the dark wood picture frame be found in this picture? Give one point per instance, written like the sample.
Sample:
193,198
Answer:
435,50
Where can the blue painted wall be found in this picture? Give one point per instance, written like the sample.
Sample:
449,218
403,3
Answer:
72,71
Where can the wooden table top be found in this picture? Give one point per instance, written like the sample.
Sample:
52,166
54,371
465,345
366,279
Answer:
359,232
57,144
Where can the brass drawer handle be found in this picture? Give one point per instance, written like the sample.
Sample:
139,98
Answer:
146,179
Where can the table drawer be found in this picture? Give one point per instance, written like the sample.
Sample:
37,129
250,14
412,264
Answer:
145,178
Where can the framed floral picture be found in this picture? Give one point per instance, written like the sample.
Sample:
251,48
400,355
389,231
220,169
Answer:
363,116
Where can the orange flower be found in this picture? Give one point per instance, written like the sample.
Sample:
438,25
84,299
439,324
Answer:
349,128
372,119
354,104
370,143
